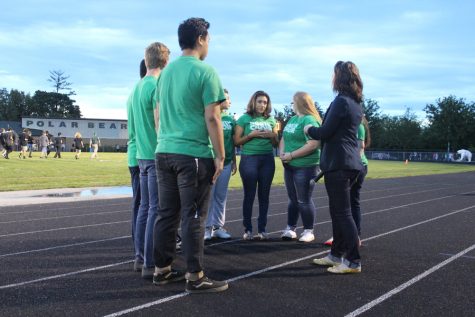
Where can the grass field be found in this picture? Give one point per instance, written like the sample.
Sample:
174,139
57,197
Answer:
110,169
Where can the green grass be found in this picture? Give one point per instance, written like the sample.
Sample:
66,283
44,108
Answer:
111,170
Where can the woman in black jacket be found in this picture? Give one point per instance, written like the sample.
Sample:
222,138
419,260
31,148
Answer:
341,163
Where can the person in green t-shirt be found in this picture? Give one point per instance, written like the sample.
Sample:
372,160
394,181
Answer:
189,94
134,169
257,133
219,191
143,104
300,156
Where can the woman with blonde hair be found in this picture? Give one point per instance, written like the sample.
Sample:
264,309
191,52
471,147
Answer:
78,144
300,156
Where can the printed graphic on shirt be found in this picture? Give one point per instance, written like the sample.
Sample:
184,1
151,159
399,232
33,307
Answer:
227,125
260,126
290,127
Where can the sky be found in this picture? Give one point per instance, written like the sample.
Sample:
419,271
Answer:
409,53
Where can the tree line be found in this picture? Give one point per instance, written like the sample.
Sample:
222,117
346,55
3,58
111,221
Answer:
449,125
15,104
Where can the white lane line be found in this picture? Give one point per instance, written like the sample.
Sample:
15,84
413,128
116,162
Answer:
240,277
63,246
64,275
70,216
229,221
65,228
60,209
405,285
369,199
240,199
466,256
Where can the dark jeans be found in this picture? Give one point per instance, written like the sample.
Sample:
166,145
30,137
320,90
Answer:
147,212
355,198
257,173
135,181
345,235
184,188
58,152
299,189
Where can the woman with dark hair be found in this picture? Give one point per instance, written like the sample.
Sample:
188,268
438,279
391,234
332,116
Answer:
257,133
364,141
341,164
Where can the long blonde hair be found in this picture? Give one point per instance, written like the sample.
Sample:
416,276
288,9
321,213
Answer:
305,105
77,135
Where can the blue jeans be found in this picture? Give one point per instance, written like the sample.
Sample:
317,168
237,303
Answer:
135,181
218,197
355,198
345,235
184,187
299,190
257,173
147,212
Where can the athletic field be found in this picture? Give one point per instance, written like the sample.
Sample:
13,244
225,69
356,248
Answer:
418,259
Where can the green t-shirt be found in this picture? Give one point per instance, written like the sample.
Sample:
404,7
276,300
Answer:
228,131
144,120
185,87
131,146
295,138
256,146
361,136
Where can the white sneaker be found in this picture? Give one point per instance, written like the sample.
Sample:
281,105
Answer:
343,268
288,234
208,233
220,233
261,236
247,235
307,236
329,260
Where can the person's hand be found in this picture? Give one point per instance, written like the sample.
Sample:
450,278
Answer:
233,168
218,166
305,129
287,157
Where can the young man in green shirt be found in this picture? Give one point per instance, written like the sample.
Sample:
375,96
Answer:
189,94
156,57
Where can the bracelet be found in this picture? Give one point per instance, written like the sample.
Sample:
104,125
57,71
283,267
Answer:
291,156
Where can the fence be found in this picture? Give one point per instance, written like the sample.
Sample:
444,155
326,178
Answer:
420,156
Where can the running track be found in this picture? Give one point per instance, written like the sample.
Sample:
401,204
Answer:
74,259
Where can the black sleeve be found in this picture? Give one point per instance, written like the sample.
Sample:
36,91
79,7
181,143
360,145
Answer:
332,121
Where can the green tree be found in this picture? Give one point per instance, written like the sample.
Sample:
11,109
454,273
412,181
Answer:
52,104
451,123
60,82
14,104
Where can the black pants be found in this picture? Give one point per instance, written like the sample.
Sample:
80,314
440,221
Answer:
345,235
355,198
58,152
184,184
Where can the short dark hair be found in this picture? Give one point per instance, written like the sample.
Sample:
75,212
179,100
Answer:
347,81
143,69
190,30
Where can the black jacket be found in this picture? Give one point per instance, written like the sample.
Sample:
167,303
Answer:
338,135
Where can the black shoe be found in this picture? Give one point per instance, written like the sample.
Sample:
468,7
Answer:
172,276
205,285
138,264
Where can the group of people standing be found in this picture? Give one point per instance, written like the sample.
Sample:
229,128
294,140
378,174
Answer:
181,155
